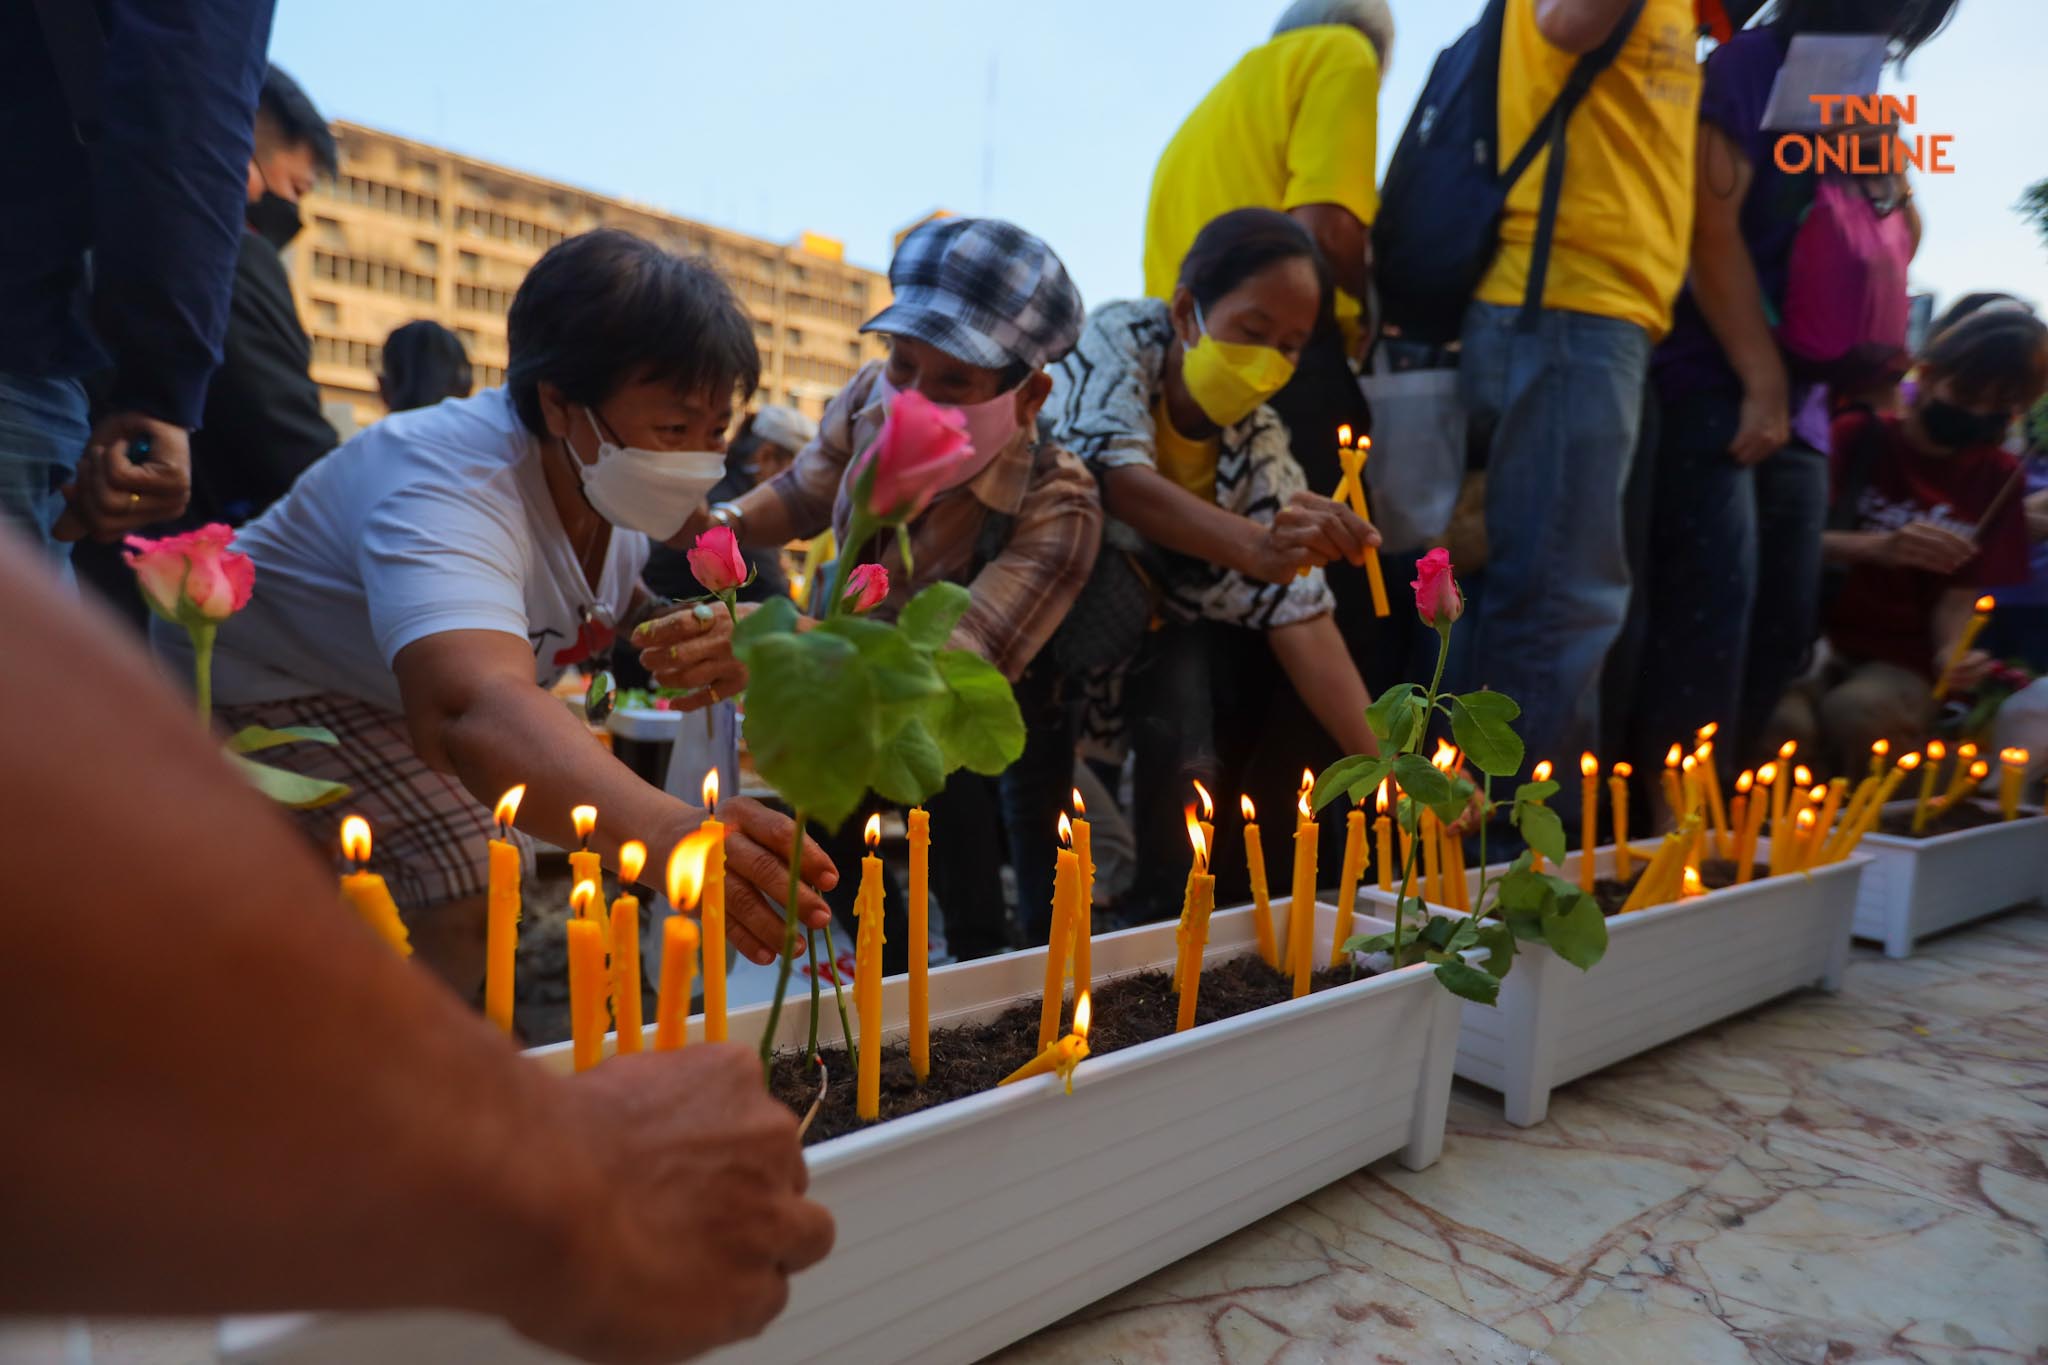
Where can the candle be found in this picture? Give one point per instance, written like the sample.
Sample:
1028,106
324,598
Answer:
2012,776
1209,837
1662,878
1785,833
1457,885
501,931
712,915
1589,817
1201,901
1830,807
1617,801
1383,840
1674,793
1352,457
919,826
1084,898
626,947
1302,909
1760,804
1936,752
1738,815
1432,857
365,890
1878,749
586,978
1781,792
1873,810
1980,617
1540,773
687,863
1691,885
1710,782
1062,1057
1255,865
1966,783
1852,814
867,977
1347,881
584,865
1066,885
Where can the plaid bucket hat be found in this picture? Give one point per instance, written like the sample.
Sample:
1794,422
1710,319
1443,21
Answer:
983,291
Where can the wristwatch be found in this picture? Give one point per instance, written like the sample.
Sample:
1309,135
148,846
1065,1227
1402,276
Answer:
726,514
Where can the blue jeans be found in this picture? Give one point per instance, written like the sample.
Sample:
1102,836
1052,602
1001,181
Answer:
43,428
1559,409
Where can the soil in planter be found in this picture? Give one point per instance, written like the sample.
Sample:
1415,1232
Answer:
966,1061
1962,816
1715,874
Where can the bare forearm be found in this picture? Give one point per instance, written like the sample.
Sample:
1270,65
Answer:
1168,515
764,518
1313,655
1848,548
1724,282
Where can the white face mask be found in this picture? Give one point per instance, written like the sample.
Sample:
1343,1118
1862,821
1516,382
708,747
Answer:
650,491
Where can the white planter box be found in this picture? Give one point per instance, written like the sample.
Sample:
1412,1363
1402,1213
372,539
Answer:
1917,887
1668,971
968,1226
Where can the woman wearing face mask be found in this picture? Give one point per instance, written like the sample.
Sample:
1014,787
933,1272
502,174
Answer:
1928,518
1166,402
419,588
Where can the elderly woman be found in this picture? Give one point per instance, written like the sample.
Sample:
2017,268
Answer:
1166,402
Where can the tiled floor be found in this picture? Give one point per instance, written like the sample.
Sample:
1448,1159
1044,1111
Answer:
1861,1177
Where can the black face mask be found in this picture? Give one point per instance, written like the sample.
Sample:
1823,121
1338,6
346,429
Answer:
275,218
1954,427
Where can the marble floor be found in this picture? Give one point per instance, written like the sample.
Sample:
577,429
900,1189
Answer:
1829,1179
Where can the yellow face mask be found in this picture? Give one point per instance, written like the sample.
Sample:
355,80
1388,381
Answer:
1229,379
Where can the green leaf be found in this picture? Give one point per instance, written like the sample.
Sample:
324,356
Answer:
1422,780
255,738
1368,943
289,788
1437,933
909,770
776,616
1535,791
1347,775
1499,941
1467,982
1524,890
1576,930
1396,714
904,678
978,725
1542,828
1466,935
1524,926
1479,724
812,720
928,618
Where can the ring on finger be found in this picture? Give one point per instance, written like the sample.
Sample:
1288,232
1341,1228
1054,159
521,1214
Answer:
703,614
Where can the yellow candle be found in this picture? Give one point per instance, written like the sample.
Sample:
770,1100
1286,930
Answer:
1674,792
1965,642
1962,781
1540,773
501,931
1457,886
1347,882
1873,812
1936,752
1785,833
626,947
1710,783
1878,749
1383,843
713,915
919,826
1617,800
586,981
1738,812
1186,899
678,970
1262,903
1781,792
1202,892
1432,858
1354,484
1062,1057
584,865
1830,807
1084,898
1066,885
1759,806
867,979
365,890
1966,783
1589,817
1301,917
2012,776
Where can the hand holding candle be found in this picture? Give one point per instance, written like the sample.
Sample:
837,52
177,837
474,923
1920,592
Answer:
1351,457
1965,642
365,890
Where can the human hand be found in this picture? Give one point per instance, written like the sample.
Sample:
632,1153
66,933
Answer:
1308,532
691,647
757,842
1764,427
113,493
1470,819
691,1216
1924,545
1967,672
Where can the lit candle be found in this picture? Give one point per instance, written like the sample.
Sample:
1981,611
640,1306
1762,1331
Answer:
867,977
713,914
1201,901
1352,457
1691,885
584,865
1302,911
365,890
1617,801
1674,791
1760,803
1710,782
2012,776
586,977
1457,885
1781,792
1255,865
919,826
1209,838
1347,881
1873,810
687,862
1738,823
1980,617
1936,752
626,947
1878,749
1830,807
1540,773
1589,817
1695,801
501,931
1785,833
1062,1057
1066,885
1965,779
1084,898
1383,840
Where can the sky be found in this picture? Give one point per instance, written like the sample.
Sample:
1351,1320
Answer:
853,119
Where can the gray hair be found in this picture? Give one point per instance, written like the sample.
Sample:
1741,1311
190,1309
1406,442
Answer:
1370,17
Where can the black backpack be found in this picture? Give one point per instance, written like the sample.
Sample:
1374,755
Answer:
1441,204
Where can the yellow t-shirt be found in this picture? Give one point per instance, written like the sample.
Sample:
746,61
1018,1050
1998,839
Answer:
1294,122
1624,221
1189,463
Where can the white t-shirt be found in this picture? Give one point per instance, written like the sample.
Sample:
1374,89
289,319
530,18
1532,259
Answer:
433,520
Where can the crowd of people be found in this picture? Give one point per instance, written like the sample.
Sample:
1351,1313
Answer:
1670,514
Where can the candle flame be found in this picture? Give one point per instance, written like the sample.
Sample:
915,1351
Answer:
1195,837
1301,804
1985,604
583,898
585,820
1966,751
1910,762
1818,794
1624,771
1693,886
1208,806
1084,1014
1308,781
1542,771
1589,766
632,858
873,832
1689,762
1344,435
355,839
1803,775
1672,756
1745,782
1767,774
1251,812
1707,731
2016,758
686,863
1936,751
1365,443
507,809
1066,831
1979,770
1080,806
1446,756
1880,747
1787,749
710,789
1381,801
1806,820
1704,752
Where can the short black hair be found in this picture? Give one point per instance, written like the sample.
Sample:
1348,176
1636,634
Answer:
607,308
290,112
1239,244
1972,303
1906,23
424,363
1995,357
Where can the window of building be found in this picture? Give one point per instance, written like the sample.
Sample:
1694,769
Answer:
324,310
470,262
327,230
430,254
364,273
793,336
479,299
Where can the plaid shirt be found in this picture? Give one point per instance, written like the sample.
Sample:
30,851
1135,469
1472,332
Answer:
1023,592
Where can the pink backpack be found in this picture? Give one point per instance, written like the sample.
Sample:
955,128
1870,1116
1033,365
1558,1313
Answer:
1844,316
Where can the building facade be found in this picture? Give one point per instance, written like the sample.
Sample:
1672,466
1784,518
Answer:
409,231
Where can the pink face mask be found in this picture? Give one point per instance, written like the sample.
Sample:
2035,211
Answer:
991,426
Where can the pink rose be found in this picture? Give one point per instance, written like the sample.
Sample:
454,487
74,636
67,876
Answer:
921,449
716,560
866,588
1437,599
197,578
